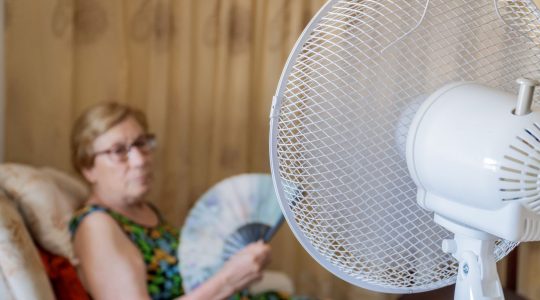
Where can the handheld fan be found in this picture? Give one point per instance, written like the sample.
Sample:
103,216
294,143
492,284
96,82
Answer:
395,117
234,213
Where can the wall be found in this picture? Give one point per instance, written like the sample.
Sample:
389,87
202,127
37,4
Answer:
203,71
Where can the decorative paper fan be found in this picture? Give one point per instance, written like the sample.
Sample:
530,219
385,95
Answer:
235,212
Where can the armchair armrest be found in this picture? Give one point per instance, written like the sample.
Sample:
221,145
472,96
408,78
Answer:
273,281
22,274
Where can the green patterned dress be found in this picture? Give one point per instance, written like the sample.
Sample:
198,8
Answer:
158,246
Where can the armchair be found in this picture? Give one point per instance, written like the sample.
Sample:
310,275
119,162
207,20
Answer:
35,205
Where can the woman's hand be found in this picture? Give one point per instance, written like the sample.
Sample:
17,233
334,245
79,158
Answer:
242,269
246,266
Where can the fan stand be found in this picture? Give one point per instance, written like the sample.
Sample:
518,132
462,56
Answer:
477,277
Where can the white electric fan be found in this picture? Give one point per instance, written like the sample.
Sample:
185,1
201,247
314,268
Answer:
402,158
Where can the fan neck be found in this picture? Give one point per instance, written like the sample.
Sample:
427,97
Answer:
477,276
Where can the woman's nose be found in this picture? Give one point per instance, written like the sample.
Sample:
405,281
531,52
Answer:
137,157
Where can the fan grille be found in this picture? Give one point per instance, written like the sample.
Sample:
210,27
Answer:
341,116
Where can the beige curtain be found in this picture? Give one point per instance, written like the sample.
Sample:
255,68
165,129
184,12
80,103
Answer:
204,71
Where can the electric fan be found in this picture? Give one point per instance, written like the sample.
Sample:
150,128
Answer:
234,213
393,118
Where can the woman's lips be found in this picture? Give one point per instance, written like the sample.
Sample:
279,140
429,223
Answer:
144,178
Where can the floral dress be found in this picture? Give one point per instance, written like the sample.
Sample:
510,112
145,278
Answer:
157,244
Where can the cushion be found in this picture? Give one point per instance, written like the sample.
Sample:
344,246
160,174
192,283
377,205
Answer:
63,277
47,199
22,275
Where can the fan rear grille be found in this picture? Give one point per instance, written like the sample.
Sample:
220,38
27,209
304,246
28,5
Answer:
342,112
520,169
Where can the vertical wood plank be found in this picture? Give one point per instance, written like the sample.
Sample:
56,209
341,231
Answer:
228,154
269,57
157,96
220,114
529,270
39,51
138,30
257,146
266,69
176,164
205,31
101,64
2,81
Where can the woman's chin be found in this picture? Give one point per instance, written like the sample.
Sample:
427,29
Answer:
139,191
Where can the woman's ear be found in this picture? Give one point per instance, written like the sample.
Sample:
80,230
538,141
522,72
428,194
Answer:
89,174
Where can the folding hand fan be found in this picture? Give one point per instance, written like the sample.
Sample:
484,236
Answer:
235,212
397,120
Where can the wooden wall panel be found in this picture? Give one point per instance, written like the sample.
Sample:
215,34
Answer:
228,145
99,62
39,81
205,38
174,195
528,280
204,72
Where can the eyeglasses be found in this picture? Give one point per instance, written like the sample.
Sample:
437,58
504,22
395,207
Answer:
119,153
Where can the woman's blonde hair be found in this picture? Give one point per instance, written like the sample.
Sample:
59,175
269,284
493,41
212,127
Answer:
94,122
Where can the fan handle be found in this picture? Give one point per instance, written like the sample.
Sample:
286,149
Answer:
270,233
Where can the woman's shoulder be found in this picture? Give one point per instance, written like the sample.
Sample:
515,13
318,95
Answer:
100,244
94,228
90,213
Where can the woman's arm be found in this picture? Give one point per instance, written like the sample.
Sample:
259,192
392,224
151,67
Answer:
242,269
111,266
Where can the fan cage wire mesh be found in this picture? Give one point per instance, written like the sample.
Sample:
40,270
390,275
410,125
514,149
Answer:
340,117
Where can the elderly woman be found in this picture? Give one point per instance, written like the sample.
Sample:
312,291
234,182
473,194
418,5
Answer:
126,250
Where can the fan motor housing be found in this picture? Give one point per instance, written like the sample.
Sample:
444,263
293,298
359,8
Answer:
477,163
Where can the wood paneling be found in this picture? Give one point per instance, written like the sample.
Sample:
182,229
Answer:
528,280
204,72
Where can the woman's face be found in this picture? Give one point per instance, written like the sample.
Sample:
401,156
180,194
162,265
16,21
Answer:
115,177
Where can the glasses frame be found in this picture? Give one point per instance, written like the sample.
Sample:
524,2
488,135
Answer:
114,156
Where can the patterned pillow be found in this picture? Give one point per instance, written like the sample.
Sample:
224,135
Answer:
47,199
22,275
